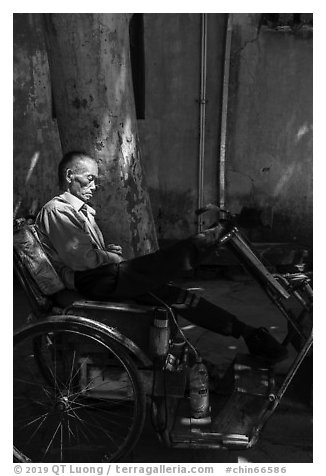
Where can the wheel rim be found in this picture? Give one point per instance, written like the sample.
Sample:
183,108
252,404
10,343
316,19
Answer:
75,398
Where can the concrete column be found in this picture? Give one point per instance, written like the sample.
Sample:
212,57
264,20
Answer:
94,105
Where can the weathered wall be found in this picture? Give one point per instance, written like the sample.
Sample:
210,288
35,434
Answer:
269,149
169,133
36,139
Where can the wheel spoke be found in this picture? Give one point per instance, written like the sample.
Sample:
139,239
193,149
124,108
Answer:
78,398
92,425
106,411
37,429
52,439
61,443
44,416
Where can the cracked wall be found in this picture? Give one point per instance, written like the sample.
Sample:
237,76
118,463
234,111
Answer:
36,137
169,133
269,148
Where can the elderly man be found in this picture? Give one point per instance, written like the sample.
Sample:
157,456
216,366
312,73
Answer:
76,248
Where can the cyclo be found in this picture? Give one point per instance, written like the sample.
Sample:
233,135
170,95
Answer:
85,372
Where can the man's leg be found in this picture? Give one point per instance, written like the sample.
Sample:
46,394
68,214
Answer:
205,314
146,273
143,274
195,309
137,276
149,273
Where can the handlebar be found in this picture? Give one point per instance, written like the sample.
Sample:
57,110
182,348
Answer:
243,250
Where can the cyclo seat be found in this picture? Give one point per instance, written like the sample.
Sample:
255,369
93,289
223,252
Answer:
48,296
33,268
37,273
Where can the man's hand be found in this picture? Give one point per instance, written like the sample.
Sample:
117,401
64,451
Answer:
114,249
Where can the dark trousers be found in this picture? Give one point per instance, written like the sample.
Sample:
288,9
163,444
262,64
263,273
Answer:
136,278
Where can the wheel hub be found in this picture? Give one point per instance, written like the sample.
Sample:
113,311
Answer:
63,403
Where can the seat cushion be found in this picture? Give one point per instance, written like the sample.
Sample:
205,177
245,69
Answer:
34,260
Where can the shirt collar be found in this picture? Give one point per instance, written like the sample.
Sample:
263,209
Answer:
77,203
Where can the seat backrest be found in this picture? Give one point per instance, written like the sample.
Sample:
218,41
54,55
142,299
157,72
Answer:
33,268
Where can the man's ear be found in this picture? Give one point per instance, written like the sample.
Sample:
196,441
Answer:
69,175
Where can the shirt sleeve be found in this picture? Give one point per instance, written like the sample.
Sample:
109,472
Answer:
71,242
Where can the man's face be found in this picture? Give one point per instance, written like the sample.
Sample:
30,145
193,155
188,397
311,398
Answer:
83,176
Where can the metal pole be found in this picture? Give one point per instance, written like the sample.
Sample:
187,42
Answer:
201,168
225,111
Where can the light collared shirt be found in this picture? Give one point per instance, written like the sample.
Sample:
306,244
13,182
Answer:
71,237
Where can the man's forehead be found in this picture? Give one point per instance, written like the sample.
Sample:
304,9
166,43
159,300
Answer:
86,164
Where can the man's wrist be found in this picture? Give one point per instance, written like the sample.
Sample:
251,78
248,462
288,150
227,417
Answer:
114,257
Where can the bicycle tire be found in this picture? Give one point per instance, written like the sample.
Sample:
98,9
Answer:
60,416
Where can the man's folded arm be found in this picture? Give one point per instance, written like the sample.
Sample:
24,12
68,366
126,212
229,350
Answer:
72,244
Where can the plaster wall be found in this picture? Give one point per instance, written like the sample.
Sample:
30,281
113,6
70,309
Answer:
169,134
36,142
269,148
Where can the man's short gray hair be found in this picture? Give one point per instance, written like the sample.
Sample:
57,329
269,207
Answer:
67,161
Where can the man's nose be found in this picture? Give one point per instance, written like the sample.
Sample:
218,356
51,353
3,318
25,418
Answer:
92,185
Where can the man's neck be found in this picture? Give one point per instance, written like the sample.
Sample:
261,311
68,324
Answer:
76,202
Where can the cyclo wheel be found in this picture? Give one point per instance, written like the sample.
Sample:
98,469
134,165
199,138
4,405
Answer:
78,396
